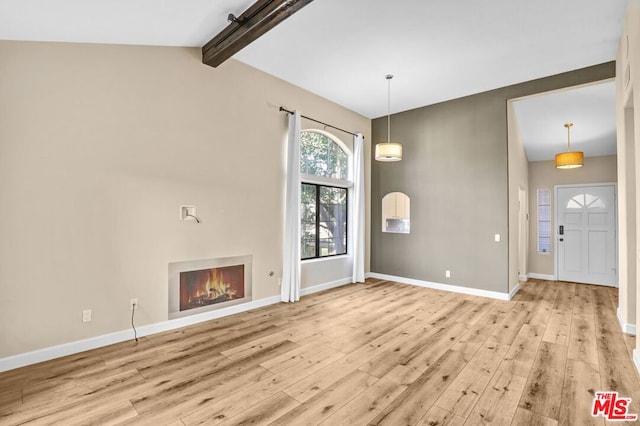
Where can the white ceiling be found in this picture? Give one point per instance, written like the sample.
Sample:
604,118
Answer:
591,109
342,49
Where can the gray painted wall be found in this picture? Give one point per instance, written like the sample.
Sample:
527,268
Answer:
455,171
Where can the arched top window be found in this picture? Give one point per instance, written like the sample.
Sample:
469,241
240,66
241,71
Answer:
324,176
323,155
589,201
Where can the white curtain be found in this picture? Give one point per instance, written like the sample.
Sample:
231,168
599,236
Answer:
290,290
358,208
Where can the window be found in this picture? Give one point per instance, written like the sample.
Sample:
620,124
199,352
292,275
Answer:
544,221
586,200
324,167
324,221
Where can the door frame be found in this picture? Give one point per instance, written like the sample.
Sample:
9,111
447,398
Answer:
523,237
555,222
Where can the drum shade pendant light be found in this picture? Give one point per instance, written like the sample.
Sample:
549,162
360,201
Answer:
388,151
569,159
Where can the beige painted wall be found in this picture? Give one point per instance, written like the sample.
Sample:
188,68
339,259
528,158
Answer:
628,123
626,187
99,146
543,174
518,178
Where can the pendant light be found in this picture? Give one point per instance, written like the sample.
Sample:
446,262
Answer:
569,159
388,151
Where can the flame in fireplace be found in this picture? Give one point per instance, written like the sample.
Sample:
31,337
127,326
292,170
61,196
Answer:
209,286
216,287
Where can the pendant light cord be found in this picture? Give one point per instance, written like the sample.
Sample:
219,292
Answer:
389,77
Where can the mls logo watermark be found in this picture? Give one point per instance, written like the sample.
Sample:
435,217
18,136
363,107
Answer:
612,407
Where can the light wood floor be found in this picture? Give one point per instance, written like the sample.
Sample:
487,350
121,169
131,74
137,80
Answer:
374,353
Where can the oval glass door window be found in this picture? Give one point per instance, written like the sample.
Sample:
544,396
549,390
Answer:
396,213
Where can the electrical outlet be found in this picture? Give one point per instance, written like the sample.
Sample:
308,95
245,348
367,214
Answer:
134,302
447,273
86,315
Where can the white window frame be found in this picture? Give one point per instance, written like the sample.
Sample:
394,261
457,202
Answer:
339,183
539,204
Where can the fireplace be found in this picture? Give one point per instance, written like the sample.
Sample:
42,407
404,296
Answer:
202,285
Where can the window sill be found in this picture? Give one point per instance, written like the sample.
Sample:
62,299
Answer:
324,259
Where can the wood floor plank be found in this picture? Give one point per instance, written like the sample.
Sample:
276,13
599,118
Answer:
472,340
510,326
265,412
464,391
311,385
405,350
529,291
366,406
373,353
304,356
477,313
499,402
159,408
566,293
412,404
203,385
582,339
351,342
621,376
610,342
522,352
410,368
325,403
10,399
545,379
583,301
581,382
526,417
558,327
243,398
438,416
541,311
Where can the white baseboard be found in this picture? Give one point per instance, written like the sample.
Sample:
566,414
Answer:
46,354
626,327
636,360
541,276
326,286
445,287
513,292
523,277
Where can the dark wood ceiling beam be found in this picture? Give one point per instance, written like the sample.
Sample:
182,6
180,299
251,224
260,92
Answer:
254,22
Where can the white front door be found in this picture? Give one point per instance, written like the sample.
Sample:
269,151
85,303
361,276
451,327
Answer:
586,234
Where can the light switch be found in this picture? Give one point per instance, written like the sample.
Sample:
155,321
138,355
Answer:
496,238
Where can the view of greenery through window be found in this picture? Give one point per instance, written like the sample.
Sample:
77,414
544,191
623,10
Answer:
323,207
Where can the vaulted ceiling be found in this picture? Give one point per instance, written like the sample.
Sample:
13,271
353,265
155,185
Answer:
342,49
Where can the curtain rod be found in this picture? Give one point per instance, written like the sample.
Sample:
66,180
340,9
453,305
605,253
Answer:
320,122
